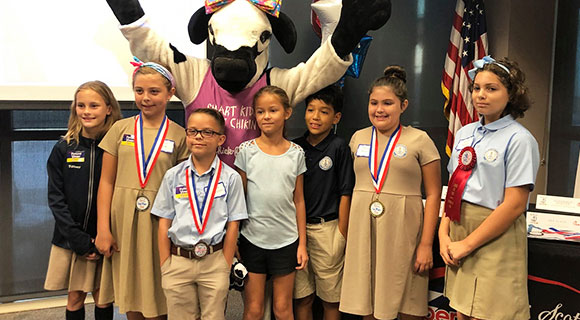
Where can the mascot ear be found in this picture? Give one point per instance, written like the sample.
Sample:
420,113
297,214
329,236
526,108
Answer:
197,27
284,30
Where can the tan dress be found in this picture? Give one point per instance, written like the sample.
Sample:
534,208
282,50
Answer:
132,277
380,252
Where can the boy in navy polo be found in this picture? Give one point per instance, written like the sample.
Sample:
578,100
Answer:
199,205
328,184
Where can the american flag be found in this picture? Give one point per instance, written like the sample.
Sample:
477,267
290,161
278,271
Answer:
468,42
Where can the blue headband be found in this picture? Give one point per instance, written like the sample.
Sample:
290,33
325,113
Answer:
478,64
138,64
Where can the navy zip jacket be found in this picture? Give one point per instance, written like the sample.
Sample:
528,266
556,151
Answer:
73,178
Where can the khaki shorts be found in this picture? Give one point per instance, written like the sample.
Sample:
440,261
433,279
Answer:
323,274
192,286
67,270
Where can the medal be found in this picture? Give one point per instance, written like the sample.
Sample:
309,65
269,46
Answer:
376,208
145,166
379,169
200,211
467,161
142,203
200,249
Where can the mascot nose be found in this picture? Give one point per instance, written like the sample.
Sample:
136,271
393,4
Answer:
233,69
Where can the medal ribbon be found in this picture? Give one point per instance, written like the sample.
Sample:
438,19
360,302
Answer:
457,185
379,170
145,167
201,213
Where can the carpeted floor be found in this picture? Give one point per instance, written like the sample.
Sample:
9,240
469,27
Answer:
233,312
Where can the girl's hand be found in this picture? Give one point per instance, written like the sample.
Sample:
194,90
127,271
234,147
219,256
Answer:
106,244
424,258
457,251
301,257
93,256
444,242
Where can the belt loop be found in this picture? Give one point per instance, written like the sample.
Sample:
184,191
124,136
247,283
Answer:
178,250
321,220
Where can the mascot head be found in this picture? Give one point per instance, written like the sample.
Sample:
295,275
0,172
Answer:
238,35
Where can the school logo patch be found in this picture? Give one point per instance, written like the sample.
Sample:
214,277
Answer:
325,163
400,151
490,155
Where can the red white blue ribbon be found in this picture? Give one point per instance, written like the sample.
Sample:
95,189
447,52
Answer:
201,211
145,165
379,169
271,7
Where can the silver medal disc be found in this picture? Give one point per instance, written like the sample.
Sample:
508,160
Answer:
376,208
200,249
142,203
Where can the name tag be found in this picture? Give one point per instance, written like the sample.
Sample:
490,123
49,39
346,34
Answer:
75,156
363,150
220,190
181,192
128,140
464,143
168,146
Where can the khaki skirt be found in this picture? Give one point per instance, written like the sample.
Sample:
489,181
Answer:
67,270
492,282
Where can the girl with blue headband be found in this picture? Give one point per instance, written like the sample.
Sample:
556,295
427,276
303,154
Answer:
493,169
138,152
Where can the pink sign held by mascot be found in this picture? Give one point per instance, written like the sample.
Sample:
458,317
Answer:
239,33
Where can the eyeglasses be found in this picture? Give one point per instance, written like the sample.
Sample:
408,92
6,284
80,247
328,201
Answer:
205,133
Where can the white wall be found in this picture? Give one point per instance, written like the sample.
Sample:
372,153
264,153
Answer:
48,48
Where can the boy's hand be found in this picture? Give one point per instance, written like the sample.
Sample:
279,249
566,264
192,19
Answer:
163,259
301,257
106,244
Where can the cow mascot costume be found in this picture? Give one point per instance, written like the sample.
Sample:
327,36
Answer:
239,33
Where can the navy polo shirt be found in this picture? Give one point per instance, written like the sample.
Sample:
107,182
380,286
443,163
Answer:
329,175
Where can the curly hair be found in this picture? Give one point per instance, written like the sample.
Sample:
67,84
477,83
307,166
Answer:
514,81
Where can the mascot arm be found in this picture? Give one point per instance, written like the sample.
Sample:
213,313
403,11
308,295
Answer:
147,45
357,17
323,68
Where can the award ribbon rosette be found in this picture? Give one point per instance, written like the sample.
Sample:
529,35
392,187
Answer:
467,160
379,169
145,166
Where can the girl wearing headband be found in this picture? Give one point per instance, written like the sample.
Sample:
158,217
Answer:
493,168
138,151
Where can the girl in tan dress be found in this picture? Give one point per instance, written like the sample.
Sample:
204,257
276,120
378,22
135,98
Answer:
74,168
138,151
390,236
482,236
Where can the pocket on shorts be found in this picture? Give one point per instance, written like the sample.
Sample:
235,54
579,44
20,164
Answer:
165,265
339,244
225,261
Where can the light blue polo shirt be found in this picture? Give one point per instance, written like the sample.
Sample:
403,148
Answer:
172,202
507,156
